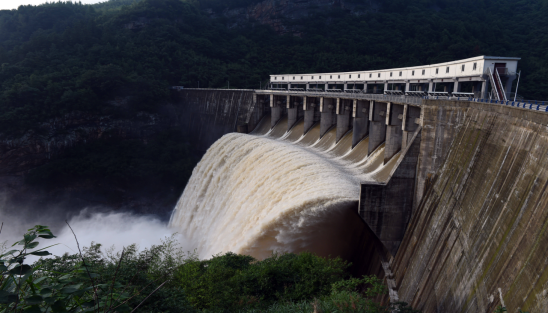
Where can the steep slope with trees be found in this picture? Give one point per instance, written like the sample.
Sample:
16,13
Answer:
117,60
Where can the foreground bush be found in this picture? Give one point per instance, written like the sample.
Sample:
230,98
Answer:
231,281
164,279
90,282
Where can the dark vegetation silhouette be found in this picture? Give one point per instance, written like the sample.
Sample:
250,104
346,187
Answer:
62,57
164,279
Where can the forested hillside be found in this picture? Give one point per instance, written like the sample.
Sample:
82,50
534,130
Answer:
84,88
60,57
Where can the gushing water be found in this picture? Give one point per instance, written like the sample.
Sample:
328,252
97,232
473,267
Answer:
256,194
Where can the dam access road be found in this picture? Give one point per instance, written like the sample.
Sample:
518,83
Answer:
454,186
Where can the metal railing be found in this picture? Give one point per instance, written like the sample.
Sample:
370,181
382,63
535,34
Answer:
497,92
394,92
463,94
345,95
524,104
439,93
416,93
500,85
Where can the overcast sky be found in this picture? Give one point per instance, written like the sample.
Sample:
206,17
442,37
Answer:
13,4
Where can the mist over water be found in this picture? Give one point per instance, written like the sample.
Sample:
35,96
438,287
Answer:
119,229
110,229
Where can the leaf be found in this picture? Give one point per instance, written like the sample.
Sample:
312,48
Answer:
33,309
70,289
20,270
46,291
32,245
34,300
29,237
58,306
7,297
46,236
49,300
40,253
89,304
9,252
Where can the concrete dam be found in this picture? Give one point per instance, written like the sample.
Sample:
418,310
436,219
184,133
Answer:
446,199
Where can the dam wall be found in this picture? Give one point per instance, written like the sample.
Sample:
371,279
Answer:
478,234
455,192
211,113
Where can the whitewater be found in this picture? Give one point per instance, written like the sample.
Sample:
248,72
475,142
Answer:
277,191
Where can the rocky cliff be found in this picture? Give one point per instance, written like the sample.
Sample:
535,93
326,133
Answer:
19,154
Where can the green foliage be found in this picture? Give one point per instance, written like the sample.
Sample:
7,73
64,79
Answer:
25,288
233,281
352,295
164,279
92,282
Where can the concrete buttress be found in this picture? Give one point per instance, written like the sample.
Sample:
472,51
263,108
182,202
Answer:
343,112
327,114
361,113
378,112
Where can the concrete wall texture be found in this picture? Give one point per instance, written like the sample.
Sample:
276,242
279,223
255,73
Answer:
478,238
211,113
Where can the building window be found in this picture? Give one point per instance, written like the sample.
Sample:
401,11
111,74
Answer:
463,67
447,69
399,73
301,77
312,77
391,74
349,76
413,72
319,77
282,78
338,76
378,74
422,72
294,77
358,75
275,78
330,76
370,75
436,71
475,66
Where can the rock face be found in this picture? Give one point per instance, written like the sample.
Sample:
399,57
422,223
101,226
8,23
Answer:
283,15
478,239
20,154
34,148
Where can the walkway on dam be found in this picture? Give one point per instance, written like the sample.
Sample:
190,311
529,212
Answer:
403,99
535,105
